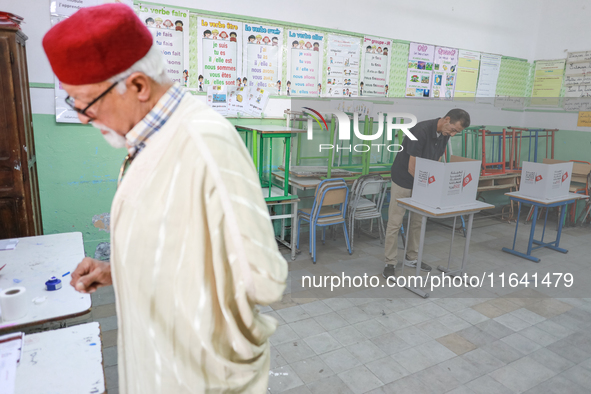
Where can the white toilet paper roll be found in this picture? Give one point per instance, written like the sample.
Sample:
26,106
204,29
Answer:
13,303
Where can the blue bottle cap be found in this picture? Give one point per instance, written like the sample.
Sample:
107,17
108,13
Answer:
53,284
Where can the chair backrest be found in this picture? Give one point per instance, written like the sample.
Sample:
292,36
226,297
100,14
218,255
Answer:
367,185
330,192
334,195
371,187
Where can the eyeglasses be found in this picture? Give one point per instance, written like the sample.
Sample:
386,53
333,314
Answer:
71,102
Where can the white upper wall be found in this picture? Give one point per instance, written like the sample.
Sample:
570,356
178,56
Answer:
563,27
505,27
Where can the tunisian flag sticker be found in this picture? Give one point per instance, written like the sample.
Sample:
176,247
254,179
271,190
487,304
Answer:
564,176
431,179
467,179
538,178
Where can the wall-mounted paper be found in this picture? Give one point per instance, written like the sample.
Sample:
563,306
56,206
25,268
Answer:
342,67
63,112
263,55
170,29
304,62
238,101
547,82
420,70
68,7
584,119
257,101
376,66
220,52
444,72
468,65
489,75
217,98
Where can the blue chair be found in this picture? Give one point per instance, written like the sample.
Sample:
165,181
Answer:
329,209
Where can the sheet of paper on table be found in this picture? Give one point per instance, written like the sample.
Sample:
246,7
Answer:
8,244
11,349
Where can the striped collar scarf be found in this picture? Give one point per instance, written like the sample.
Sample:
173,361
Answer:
141,133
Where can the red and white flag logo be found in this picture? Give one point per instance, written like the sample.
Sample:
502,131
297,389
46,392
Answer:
564,176
467,180
431,179
538,178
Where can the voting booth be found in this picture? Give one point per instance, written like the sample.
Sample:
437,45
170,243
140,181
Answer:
446,185
545,181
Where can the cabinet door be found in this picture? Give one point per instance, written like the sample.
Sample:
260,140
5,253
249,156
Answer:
12,209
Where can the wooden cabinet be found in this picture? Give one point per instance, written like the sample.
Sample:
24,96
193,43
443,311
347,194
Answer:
20,210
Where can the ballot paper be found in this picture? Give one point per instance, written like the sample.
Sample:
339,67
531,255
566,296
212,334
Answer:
11,350
8,244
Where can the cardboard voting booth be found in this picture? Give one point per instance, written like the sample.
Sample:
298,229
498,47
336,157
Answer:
545,181
446,185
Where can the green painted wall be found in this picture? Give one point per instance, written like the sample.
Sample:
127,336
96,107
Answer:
78,172
77,177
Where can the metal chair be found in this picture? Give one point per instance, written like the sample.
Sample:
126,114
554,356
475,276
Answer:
329,193
363,208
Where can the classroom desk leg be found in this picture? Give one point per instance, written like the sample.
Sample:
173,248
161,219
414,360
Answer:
415,289
532,231
531,237
554,245
461,271
294,214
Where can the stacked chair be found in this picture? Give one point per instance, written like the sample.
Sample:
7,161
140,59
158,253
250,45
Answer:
365,202
329,209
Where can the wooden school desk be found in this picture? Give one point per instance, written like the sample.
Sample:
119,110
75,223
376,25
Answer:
31,264
428,213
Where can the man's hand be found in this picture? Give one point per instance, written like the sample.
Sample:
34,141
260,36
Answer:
90,275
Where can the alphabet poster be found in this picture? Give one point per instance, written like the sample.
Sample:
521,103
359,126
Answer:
376,66
420,70
342,67
220,52
444,72
170,29
263,57
304,63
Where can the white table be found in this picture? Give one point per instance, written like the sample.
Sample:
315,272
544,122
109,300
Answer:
33,262
68,360
429,212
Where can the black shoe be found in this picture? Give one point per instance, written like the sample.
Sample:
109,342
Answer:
389,272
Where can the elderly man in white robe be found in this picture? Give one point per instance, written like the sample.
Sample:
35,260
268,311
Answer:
192,246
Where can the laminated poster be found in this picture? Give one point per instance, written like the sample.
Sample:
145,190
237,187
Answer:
238,101
257,101
262,46
304,63
467,77
420,70
217,99
170,29
490,65
220,52
376,66
342,68
445,66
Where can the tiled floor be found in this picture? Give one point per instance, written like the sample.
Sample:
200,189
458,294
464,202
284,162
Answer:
460,341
